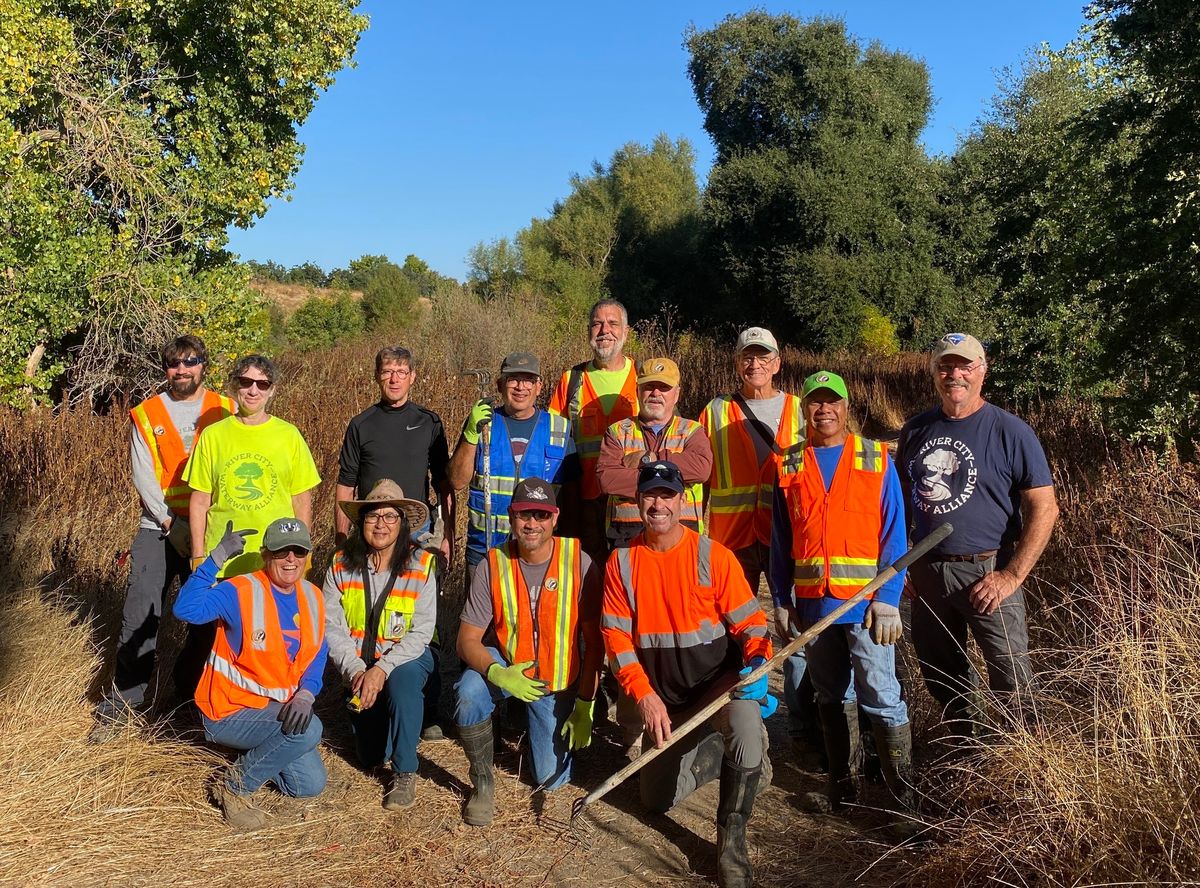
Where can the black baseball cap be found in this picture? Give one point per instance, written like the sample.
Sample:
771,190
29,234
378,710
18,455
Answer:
534,493
660,475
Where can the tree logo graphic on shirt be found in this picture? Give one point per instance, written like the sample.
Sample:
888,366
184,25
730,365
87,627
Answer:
249,473
248,482
944,475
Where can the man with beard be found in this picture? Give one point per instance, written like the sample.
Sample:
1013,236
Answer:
530,630
163,432
980,467
594,395
655,434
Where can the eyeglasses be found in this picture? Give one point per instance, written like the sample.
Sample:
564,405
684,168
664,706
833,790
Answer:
299,552
540,515
193,361
402,373
388,518
246,382
761,360
967,369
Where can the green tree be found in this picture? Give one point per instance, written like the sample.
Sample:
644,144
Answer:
132,134
360,272
822,202
494,270
390,298
323,321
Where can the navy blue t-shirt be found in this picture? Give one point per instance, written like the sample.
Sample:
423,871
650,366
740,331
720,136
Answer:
969,472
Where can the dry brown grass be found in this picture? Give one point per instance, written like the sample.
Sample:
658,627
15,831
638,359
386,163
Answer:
290,297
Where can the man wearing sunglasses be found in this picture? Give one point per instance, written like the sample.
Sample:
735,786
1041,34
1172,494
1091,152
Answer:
265,670
968,462
679,624
530,630
163,432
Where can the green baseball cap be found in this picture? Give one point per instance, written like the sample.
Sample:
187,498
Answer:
823,379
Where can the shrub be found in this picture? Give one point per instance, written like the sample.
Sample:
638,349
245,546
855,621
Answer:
323,321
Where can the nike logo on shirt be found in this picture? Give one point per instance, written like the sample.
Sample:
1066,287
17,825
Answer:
409,428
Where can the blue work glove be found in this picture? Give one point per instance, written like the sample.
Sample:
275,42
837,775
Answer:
758,689
767,705
297,712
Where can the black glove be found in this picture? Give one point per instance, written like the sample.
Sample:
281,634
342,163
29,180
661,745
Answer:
297,713
232,544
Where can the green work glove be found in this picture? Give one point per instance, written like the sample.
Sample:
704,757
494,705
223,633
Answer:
578,728
481,415
884,622
514,680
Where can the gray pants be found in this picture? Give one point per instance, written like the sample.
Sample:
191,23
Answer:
941,617
735,733
154,567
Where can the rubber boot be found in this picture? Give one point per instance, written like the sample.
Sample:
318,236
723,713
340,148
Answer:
839,724
477,743
895,747
739,786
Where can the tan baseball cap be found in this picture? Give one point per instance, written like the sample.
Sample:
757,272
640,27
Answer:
659,370
759,336
964,345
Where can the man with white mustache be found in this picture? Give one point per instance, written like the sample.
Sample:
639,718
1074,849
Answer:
994,484
655,434
593,395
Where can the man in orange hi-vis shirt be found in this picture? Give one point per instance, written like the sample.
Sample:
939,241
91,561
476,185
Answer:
679,625
594,395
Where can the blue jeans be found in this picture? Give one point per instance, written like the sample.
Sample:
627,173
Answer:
292,762
476,699
846,664
391,728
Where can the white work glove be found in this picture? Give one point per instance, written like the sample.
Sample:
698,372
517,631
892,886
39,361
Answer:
883,621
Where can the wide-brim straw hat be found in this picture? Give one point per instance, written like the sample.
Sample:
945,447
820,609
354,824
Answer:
387,492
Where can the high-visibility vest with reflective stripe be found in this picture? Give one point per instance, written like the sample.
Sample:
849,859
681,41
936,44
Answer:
550,637
741,489
543,455
153,422
261,671
622,510
589,422
396,618
835,535
706,631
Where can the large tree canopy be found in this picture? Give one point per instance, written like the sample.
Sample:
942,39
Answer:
132,133
823,210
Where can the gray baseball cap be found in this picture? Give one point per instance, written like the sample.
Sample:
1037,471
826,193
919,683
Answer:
520,362
284,532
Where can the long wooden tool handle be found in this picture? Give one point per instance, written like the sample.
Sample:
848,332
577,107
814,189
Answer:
771,665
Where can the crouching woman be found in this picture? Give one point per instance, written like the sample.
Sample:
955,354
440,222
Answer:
382,580
264,672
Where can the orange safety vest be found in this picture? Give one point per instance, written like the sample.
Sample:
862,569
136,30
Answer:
151,419
741,488
623,510
550,637
396,617
261,671
589,422
835,535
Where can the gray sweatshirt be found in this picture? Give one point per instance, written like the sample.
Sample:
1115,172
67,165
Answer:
341,644
184,416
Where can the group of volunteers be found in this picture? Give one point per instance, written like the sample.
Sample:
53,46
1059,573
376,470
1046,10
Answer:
613,548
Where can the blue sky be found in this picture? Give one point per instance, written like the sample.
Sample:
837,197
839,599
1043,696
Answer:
462,121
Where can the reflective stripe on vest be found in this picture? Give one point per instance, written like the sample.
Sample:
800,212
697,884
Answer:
153,423
741,488
396,617
548,637
542,458
589,422
705,633
835,541
623,510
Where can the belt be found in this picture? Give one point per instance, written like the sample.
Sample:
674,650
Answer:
977,558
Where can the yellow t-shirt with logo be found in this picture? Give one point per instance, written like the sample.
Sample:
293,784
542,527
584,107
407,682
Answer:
252,473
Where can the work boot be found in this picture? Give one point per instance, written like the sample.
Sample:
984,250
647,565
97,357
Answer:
896,760
839,723
401,792
477,744
739,786
238,811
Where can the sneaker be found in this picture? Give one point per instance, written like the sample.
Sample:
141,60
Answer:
238,811
432,733
402,792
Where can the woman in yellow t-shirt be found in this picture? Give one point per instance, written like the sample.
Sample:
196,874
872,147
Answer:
249,469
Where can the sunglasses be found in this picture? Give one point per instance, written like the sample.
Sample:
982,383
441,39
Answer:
193,361
299,552
245,382
533,515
